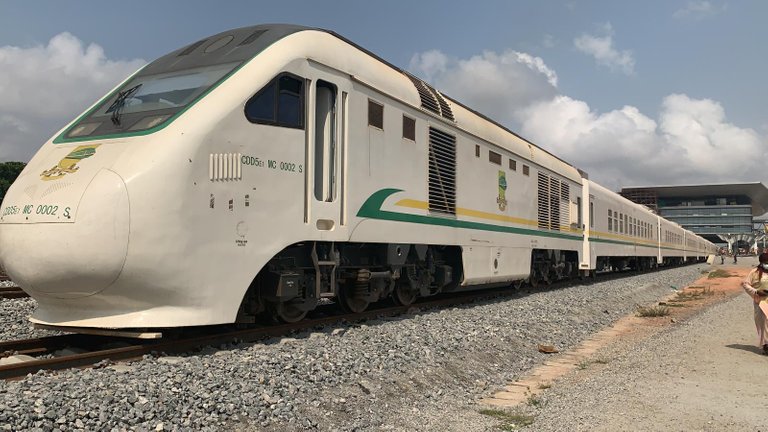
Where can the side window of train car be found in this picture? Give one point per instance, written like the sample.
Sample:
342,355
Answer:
375,114
279,103
610,220
409,128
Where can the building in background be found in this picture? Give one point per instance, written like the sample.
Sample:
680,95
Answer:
721,213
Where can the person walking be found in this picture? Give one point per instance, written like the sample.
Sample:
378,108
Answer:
735,252
756,285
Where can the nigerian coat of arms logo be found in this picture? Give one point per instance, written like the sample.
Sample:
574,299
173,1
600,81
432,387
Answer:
68,165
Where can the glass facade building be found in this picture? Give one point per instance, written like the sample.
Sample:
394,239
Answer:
707,210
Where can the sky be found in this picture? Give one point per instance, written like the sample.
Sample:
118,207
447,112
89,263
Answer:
635,93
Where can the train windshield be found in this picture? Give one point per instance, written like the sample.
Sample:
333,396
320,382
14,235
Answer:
149,100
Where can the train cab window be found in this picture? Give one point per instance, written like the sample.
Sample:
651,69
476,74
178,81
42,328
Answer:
513,165
494,157
375,114
409,128
326,146
279,103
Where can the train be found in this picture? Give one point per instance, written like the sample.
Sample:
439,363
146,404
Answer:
267,169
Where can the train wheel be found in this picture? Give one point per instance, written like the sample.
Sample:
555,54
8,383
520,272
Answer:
580,276
349,300
286,312
403,295
547,278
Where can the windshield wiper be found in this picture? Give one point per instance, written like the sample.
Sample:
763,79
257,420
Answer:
118,104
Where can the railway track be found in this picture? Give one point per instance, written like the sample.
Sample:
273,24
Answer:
12,293
88,350
80,350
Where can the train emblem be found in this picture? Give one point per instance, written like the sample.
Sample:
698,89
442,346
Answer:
502,199
68,165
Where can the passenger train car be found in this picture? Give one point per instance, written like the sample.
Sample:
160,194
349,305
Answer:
265,168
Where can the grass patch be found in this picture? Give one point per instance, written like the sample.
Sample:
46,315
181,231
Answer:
544,386
719,273
673,304
509,421
534,401
585,363
652,311
694,293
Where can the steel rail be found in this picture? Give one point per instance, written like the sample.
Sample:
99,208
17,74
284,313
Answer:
12,293
216,335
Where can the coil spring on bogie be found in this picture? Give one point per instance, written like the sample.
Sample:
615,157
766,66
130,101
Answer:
362,283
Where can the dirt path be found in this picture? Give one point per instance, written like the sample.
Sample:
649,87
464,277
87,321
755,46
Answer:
699,369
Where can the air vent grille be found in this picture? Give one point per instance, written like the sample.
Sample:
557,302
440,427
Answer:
188,50
445,109
431,99
442,172
55,188
252,37
225,167
553,203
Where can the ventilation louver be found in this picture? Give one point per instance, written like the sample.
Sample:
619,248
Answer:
225,166
252,37
191,48
553,203
442,172
431,99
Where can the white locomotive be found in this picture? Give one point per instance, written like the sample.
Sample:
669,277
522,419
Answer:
268,167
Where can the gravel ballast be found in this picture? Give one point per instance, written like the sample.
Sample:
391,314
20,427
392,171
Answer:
422,371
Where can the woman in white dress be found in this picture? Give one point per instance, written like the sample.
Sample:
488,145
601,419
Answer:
756,285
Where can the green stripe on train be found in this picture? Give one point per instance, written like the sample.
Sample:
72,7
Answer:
372,209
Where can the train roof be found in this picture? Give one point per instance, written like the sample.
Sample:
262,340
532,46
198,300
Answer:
244,43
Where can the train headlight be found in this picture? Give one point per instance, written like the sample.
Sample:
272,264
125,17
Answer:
84,129
149,122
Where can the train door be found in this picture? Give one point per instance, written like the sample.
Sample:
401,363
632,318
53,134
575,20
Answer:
586,224
325,157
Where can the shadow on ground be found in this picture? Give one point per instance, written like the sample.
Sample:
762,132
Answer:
750,348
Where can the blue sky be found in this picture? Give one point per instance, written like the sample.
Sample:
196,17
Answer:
635,93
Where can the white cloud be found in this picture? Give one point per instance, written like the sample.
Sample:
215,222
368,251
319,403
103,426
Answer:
44,87
604,52
498,83
698,10
690,141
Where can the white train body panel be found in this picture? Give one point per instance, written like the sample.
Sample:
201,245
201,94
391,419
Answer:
169,226
622,228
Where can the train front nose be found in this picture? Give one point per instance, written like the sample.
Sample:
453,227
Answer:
67,251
